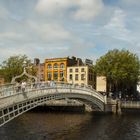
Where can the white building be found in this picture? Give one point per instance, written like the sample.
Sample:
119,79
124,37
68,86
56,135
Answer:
81,75
101,83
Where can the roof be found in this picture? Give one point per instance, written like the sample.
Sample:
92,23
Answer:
56,59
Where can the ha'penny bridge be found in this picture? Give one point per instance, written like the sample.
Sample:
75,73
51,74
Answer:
14,102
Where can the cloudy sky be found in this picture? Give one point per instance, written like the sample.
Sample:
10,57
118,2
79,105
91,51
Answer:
58,28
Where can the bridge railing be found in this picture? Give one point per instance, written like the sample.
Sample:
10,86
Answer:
17,89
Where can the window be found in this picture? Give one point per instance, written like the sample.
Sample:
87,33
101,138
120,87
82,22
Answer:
82,76
90,77
61,76
49,76
55,66
62,66
49,66
70,77
42,76
76,70
82,70
76,77
55,75
70,70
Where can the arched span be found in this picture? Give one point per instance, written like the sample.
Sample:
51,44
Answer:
16,104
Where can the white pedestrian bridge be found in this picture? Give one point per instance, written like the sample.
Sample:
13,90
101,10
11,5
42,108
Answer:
14,102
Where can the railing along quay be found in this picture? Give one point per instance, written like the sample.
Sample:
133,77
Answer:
130,104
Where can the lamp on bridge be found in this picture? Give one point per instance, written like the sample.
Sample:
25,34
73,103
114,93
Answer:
24,66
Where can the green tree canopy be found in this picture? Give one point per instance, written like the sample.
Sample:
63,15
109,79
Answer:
121,67
13,66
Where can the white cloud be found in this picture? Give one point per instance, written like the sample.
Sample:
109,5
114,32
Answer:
53,6
88,9
3,12
83,10
117,26
10,35
57,28
50,31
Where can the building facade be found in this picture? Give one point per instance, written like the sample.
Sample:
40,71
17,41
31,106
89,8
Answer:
40,67
56,68
81,75
101,83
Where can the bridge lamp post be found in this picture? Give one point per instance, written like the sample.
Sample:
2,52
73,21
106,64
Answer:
24,65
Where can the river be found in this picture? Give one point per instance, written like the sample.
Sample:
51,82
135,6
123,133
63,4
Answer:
71,126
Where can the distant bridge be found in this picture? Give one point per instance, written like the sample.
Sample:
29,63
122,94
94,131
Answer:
14,102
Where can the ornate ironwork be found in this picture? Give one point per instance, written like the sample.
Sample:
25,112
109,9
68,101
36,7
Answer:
24,73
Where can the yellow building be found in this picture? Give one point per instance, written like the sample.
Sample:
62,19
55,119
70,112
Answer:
56,68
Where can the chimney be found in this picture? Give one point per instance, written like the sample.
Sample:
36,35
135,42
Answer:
36,61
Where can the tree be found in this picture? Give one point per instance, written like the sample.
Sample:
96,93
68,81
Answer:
121,68
13,66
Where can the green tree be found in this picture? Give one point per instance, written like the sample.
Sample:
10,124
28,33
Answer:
121,68
13,66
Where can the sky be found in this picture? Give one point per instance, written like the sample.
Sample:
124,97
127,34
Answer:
59,28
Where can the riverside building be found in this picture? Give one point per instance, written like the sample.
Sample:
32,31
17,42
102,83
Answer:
56,68
81,75
40,69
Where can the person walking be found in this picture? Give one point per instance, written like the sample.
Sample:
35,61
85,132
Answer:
23,86
18,87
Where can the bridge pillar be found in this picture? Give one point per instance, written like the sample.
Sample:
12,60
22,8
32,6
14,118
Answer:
111,106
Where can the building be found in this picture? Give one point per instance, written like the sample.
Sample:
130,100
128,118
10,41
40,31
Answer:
101,83
40,67
56,68
81,75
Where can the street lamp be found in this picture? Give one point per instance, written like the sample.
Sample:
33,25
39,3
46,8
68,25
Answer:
24,65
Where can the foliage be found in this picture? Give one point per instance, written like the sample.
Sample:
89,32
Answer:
121,67
13,66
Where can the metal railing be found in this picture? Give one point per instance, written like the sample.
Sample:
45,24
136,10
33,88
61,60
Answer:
130,104
17,89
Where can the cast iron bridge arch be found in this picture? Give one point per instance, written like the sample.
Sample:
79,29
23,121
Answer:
14,102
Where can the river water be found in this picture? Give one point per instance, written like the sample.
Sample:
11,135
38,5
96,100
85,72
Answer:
71,126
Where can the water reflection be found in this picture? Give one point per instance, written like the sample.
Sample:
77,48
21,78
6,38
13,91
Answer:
71,126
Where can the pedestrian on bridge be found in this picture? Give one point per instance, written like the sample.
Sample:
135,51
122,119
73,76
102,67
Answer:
23,86
18,87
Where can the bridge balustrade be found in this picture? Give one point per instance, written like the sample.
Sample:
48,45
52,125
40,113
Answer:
12,89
